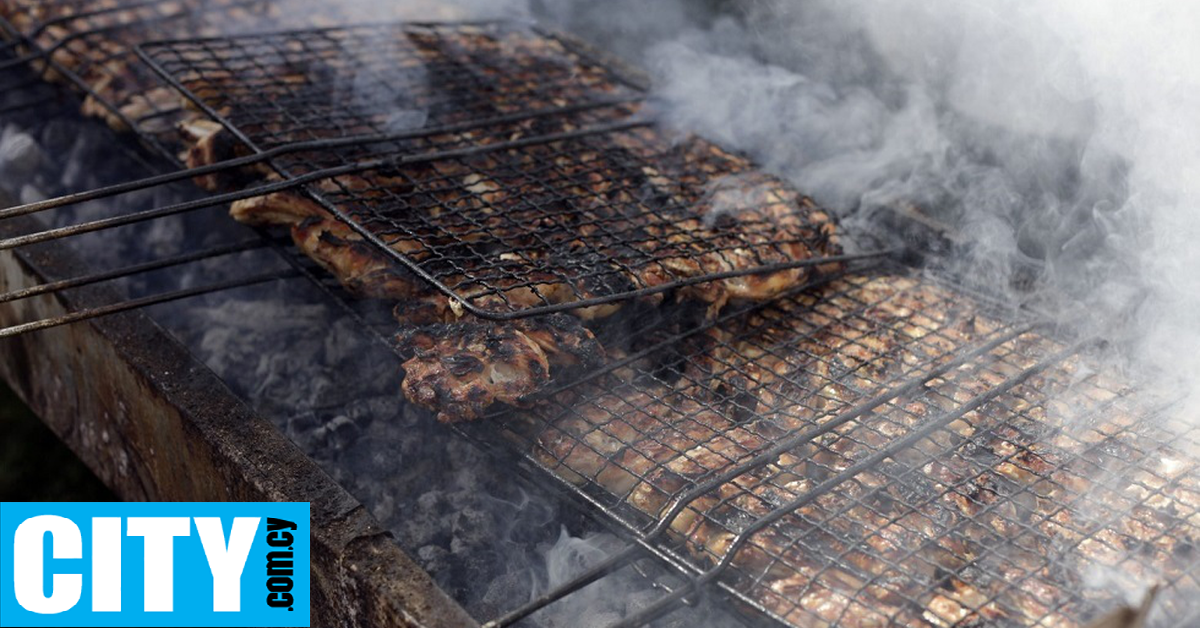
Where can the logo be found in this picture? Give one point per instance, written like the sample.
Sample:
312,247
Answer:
154,564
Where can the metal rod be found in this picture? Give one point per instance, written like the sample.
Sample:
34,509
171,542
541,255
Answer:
594,573
26,105
672,340
310,145
667,603
294,182
22,59
142,216
105,310
672,285
85,280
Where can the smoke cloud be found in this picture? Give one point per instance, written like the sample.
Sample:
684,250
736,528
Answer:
1054,135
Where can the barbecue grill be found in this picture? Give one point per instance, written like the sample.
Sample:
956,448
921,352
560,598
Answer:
475,228
80,43
875,446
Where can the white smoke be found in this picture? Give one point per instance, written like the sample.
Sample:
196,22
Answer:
616,596
1056,132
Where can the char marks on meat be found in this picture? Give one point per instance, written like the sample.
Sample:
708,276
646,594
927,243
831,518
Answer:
459,370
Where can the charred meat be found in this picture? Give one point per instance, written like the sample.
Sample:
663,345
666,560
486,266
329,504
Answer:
460,370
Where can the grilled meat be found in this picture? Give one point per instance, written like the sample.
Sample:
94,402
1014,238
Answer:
558,222
460,370
209,143
94,40
937,534
594,224
756,205
356,263
545,224
278,208
594,441
549,224
739,218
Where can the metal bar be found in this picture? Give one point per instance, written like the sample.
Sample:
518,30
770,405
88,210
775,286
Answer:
178,208
27,105
133,304
666,603
229,164
678,283
22,59
85,280
141,216
675,339
11,34
594,573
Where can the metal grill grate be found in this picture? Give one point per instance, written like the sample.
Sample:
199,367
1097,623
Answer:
527,177
284,88
885,451
90,46
882,450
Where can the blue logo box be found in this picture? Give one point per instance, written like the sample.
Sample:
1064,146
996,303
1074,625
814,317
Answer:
154,564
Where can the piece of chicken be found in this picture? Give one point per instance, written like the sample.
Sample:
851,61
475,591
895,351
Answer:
276,208
460,370
357,264
208,142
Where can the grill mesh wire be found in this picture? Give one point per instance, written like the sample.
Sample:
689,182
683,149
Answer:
89,44
1031,510
282,88
1008,515
513,231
